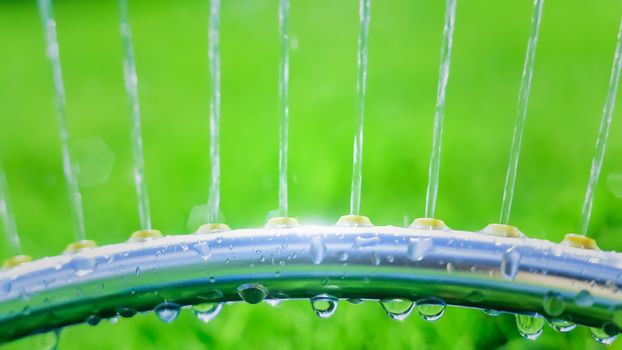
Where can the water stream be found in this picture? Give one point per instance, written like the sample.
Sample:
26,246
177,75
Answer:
603,133
283,105
7,216
51,40
439,113
519,124
213,203
357,157
131,86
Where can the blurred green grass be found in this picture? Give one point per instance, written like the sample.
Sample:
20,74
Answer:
572,69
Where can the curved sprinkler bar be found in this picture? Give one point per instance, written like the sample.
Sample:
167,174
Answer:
467,269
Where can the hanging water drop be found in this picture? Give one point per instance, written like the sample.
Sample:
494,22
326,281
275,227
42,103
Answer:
126,312
529,327
355,301
167,312
491,312
252,293
431,309
510,262
562,325
93,320
208,311
605,335
324,305
317,249
397,309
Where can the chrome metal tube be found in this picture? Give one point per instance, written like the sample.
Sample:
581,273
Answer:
462,268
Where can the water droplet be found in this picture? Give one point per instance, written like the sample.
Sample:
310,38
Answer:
93,320
605,335
553,304
324,305
361,241
167,312
475,296
562,325
584,299
529,327
418,248
211,294
431,309
510,262
114,320
343,256
207,311
397,309
355,301
252,293
82,265
203,249
491,312
317,249
450,267
375,259
126,312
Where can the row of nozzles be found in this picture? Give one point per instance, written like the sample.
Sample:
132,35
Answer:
498,230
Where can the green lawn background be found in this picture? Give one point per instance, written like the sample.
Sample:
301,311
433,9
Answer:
572,69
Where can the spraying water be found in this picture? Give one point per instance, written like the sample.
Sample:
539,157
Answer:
49,26
519,124
213,203
603,133
283,105
439,113
7,216
131,86
357,158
